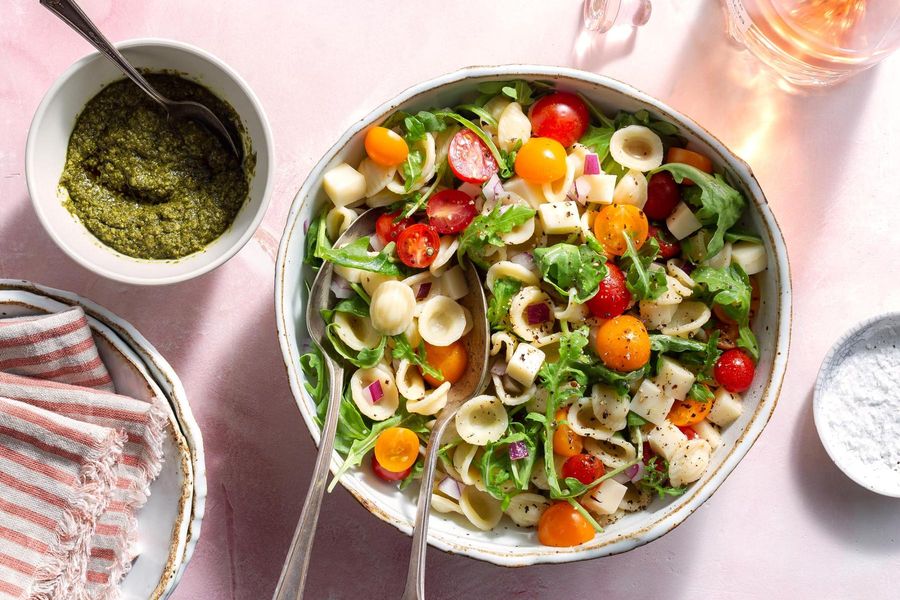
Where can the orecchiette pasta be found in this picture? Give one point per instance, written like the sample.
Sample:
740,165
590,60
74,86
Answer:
447,251
480,508
584,422
465,463
509,399
610,409
431,403
338,220
409,381
442,321
356,332
525,509
392,308
614,452
501,340
384,407
689,462
377,176
636,147
511,270
631,189
688,318
482,420
513,127
528,296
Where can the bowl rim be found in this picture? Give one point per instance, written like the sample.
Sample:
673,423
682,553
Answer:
825,370
783,316
268,144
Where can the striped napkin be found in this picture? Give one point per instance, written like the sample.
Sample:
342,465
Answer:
109,540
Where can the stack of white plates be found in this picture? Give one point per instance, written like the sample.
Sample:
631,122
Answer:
169,524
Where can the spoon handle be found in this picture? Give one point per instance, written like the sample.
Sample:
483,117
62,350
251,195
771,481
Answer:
74,17
293,575
415,577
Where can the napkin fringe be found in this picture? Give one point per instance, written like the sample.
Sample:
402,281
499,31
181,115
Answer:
61,577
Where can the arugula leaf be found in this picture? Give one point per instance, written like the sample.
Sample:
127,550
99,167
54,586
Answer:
313,366
503,477
498,305
700,393
739,235
720,204
642,117
671,343
597,139
356,254
565,266
310,252
414,474
517,90
364,359
655,480
479,112
632,419
643,282
421,123
403,349
355,305
730,288
412,168
597,372
485,230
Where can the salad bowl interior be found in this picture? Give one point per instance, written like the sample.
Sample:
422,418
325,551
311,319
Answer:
508,544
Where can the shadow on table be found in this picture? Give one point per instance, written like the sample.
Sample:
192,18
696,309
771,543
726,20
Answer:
859,518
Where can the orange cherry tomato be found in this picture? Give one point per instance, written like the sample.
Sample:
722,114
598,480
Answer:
689,157
450,360
689,412
396,449
386,147
615,221
623,344
565,441
563,526
541,160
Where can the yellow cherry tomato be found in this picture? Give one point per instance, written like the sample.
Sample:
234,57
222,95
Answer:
689,157
450,360
397,448
561,525
541,160
615,221
386,147
689,412
623,344
565,441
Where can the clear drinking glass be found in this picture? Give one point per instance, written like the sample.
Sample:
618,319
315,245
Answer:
816,42
601,15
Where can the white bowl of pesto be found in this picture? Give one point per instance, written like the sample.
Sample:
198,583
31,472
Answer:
176,234
508,544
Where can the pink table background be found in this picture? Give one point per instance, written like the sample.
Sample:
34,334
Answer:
787,523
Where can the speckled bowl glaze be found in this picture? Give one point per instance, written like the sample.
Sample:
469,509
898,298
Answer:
169,524
48,142
509,545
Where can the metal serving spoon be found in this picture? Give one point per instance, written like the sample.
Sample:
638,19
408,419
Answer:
472,383
71,13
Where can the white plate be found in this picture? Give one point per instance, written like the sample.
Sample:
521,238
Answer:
119,337
509,545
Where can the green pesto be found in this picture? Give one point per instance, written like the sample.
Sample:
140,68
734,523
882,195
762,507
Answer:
149,187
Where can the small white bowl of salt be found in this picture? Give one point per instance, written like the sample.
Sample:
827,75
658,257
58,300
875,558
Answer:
857,404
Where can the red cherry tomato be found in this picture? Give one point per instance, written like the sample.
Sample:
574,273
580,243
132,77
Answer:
612,297
561,116
470,159
586,468
668,247
734,370
689,432
417,246
663,196
388,475
649,454
450,211
388,227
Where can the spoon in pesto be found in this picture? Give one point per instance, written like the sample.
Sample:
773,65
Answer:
71,14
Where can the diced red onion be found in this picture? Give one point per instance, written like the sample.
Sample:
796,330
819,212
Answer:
524,259
375,392
578,192
340,287
518,451
591,164
423,291
450,487
498,368
492,188
621,477
537,313
470,189
635,472
688,268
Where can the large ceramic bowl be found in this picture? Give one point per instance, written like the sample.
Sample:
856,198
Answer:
509,545
48,141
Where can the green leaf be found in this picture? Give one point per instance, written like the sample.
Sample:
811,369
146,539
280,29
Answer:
700,393
421,123
655,480
356,254
517,90
310,253
479,112
730,288
597,139
597,372
403,349
364,359
313,366
720,204
632,419
498,304
565,267
737,235
362,446
485,230
643,282
415,473
747,341
502,476
354,305
671,343
412,168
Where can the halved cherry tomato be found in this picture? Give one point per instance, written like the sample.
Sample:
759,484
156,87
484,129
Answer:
623,344
734,370
663,196
541,160
688,432
615,221
470,159
450,211
385,147
565,441
586,468
561,525
388,475
669,247
612,297
689,157
389,226
397,449
450,360
561,116
417,245
687,412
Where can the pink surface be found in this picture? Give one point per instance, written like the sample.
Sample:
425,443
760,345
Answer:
787,523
